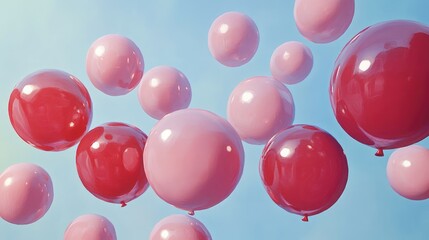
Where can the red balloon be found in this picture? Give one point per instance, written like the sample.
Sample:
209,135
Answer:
380,85
50,110
304,170
109,162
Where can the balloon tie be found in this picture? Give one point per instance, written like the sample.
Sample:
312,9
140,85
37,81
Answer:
379,152
123,204
192,213
305,218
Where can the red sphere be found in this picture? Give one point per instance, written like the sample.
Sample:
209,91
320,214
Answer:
50,110
380,85
109,161
304,170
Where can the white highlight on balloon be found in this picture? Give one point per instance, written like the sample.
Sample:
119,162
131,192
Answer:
165,134
406,163
95,145
247,97
99,51
285,152
364,65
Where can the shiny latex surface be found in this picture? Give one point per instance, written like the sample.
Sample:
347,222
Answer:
260,107
164,89
380,85
26,193
233,39
114,64
109,161
304,170
179,227
193,159
90,227
50,110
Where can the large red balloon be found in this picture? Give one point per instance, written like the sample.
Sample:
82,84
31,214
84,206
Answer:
50,110
109,162
380,85
304,170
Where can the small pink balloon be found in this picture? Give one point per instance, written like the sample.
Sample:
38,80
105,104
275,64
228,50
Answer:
164,90
180,227
26,193
193,159
233,39
260,107
114,64
90,227
291,62
323,21
408,172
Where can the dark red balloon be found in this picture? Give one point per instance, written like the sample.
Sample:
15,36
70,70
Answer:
50,110
109,161
304,170
380,85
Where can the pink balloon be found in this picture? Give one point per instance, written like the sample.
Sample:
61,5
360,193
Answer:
260,107
26,193
164,90
323,21
291,62
90,227
233,39
114,64
408,172
180,227
193,159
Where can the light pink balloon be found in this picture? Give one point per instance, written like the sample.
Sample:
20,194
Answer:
323,21
114,64
291,62
179,227
408,172
260,107
193,159
164,90
233,39
90,227
26,193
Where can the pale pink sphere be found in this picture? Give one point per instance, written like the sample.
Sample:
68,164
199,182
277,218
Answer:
90,227
114,64
179,227
408,172
233,39
291,62
164,90
323,21
260,107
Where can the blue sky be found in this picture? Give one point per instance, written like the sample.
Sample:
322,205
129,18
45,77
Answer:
56,34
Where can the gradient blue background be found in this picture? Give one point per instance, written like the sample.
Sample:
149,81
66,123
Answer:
56,34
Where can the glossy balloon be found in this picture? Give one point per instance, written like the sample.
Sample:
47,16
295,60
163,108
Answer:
408,172
163,90
380,85
179,227
291,62
259,107
90,227
233,39
109,161
323,21
26,193
193,159
114,64
50,110
304,170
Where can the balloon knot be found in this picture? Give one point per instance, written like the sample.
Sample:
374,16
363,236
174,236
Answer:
379,153
123,204
192,213
305,218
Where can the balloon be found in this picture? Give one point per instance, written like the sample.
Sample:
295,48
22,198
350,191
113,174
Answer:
304,170
26,193
323,21
90,227
259,107
109,161
50,110
408,172
233,39
193,159
291,62
380,85
179,227
114,64
163,90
